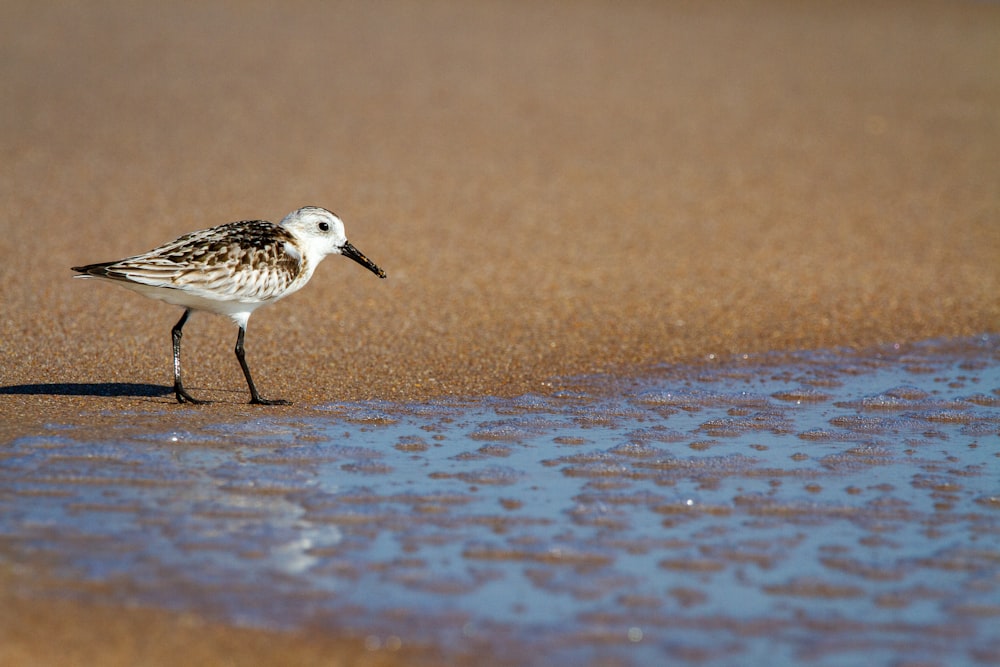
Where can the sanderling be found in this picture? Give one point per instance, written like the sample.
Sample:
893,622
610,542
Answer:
232,270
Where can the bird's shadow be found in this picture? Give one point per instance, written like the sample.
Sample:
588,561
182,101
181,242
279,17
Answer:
126,389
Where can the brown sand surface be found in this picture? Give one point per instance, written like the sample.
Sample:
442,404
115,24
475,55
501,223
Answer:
553,189
47,632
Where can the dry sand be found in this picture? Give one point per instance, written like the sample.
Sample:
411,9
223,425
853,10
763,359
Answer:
553,189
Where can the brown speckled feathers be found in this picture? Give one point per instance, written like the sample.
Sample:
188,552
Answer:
248,260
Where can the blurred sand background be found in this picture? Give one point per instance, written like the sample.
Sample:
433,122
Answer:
553,188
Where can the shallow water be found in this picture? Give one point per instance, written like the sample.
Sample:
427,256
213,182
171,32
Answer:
832,508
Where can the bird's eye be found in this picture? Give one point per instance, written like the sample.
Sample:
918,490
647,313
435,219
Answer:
324,226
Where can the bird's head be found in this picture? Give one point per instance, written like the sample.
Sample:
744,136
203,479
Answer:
322,233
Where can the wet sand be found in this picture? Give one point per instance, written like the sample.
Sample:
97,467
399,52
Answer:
553,190
809,508
58,632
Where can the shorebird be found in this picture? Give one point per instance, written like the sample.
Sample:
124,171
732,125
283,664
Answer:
233,270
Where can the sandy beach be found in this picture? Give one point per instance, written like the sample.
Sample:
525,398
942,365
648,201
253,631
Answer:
553,189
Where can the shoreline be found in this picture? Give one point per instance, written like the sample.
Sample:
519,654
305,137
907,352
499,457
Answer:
95,404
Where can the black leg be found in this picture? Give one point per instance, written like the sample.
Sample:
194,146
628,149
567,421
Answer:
255,398
176,333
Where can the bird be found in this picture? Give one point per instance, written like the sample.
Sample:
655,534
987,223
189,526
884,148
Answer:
232,269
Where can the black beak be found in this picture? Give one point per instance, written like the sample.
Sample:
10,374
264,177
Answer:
350,251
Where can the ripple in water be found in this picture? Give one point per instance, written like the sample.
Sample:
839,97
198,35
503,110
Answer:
827,508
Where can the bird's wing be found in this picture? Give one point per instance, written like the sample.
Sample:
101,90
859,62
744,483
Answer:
244,261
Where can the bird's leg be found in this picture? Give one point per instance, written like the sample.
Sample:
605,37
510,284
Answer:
255,398
176,333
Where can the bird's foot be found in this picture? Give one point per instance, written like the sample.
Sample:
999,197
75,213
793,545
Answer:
184,397
257,400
